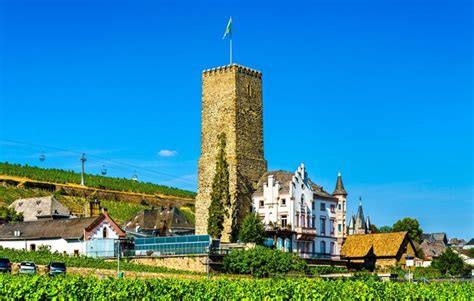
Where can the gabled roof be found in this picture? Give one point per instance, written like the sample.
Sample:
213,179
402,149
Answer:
98,220
282,176
285,178
157,218
433,248
383,244
72,228
34,208
470,243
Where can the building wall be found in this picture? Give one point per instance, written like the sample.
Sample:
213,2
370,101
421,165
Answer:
231,104
98,232
302,210
56,245
186,263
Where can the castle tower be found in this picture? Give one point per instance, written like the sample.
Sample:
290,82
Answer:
341,195
231,104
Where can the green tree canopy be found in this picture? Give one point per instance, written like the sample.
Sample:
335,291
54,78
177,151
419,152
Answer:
10,215
411,225
384,229
220,195
449,263
252,229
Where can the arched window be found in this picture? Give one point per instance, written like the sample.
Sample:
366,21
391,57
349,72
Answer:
104,232
333,246
322,247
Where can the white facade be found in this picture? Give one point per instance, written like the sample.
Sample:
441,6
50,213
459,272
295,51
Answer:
78,236
60,245
301,216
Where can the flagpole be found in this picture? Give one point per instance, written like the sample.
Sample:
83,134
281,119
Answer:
230,49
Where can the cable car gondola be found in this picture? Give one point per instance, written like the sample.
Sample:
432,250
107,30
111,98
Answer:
42,157
135,177
103,170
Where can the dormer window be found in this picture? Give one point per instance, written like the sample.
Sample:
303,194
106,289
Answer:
104,232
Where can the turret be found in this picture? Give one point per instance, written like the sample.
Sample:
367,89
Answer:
339,190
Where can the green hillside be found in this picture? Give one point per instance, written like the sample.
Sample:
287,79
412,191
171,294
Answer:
64,177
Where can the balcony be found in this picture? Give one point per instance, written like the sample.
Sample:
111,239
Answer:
304,233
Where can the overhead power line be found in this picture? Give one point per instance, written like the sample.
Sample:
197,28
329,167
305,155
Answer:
111,163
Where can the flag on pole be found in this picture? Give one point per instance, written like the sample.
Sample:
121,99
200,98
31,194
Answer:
228,29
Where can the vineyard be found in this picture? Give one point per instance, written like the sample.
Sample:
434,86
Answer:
77,287
96,181
44,257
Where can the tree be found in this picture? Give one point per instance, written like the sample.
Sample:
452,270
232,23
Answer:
220,195
384,229
10,215
449,263
373,228
252,229
411,225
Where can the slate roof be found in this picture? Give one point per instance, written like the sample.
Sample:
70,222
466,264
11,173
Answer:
339,190
383,244
72,228
285,178
39,207
432,248
156,218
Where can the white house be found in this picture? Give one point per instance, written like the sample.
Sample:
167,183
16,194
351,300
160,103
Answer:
70,236
299,215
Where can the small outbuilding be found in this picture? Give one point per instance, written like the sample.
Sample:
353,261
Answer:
40,208
378,249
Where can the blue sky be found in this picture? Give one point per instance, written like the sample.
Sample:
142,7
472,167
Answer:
381,90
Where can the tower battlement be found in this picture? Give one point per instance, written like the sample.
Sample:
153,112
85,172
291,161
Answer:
233,67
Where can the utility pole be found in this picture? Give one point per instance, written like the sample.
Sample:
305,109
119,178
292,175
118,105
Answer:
83,159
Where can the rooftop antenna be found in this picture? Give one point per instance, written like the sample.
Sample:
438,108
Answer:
83,159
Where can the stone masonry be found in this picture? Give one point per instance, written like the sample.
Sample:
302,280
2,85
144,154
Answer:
231,104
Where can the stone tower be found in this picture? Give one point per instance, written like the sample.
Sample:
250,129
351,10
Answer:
231,104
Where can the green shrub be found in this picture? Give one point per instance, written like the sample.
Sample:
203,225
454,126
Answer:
252,229
263,262
323,270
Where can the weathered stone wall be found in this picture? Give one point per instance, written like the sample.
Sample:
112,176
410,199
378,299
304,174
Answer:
231,104
184,263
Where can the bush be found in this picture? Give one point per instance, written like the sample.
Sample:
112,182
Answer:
263,262
252,229
449,263
324,270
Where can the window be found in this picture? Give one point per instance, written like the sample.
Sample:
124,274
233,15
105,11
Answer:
314,221
332,249
297,220
249,90
323,207
322,226
283,221
313,205
339,228
302,186
283,202
32,247
76,252
333,208
104,232
331,226
261,203
322,247
339,207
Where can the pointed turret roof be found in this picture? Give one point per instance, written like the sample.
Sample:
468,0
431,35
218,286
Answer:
352,222
360,220
339,190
